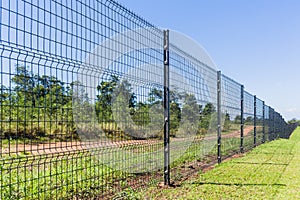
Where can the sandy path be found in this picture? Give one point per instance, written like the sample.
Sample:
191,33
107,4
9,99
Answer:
63,147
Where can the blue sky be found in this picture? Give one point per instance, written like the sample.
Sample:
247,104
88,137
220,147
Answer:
257,42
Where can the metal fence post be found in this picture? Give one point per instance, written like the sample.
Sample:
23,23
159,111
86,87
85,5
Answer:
263,125
166,110
254,122
242,119
219,115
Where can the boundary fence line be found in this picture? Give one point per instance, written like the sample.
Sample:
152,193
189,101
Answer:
95,100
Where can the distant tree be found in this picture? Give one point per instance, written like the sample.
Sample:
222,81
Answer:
125,98
227,123
142,109
237,119
248,120
130,98
22,98
141,116
206,116
148,115
175,117
190,115
4,103
25,83
104,99
34,99
55,96
292,121
208,109
146,111
3,94
175,110
190,109
155,96
115,105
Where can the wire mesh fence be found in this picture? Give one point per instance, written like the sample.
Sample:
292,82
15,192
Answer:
248,136
84,101
259,123
231,108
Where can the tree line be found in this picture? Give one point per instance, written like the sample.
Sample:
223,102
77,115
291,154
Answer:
37,106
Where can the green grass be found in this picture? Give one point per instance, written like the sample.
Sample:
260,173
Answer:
80,175
270,171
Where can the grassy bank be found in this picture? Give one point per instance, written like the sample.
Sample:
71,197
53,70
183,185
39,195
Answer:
270,171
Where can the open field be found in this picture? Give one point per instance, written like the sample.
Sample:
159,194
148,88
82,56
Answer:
270,171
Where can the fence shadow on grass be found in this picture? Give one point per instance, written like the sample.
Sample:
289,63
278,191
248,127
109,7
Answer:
261,163
237,184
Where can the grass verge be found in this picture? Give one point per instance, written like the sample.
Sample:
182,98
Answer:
270,171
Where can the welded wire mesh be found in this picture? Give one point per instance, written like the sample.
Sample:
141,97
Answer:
193,103
271,124
77,97
259,121
266,123
231,114
81,102
248,121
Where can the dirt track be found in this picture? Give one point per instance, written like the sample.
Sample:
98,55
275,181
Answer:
237,134
62,147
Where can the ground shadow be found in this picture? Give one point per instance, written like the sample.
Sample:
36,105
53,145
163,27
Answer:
237,184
